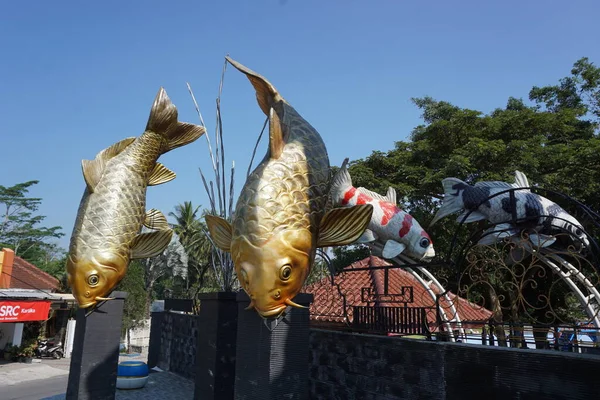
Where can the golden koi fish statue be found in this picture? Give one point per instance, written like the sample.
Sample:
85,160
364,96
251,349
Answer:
112,211
280,217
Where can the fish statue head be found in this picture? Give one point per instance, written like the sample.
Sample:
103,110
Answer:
93,277
273,273
421,245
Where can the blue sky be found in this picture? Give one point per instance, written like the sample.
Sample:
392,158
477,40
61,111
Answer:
76,77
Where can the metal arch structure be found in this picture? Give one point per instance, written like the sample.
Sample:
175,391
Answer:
409,265
583,279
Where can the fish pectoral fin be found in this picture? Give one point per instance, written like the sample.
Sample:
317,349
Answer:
474,216
392,249
150,244
266,94
156,220
367,237
160,174
342,226
540,240
93,169
220,231
184,133
276,140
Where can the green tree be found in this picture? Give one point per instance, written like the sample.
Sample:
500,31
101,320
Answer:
20,227
135,309
554,141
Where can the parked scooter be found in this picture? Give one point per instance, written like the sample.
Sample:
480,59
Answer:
47,348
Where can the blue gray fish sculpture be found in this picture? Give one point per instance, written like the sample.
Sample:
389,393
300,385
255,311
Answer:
533,209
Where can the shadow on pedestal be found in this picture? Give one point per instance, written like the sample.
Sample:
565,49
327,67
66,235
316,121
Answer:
216,347
95,356
272,362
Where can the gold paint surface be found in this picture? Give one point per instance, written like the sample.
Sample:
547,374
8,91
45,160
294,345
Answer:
274,231
111,214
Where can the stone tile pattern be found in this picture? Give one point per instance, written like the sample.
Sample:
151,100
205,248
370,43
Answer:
353,366
178,338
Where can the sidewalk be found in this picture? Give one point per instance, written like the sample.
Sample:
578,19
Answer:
161,385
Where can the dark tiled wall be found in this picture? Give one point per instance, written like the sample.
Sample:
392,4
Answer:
352,366
173,339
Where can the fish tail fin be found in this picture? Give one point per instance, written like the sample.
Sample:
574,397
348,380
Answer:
341,182
163,120
452,202
266,94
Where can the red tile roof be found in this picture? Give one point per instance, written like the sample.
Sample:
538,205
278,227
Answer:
27,276
328,302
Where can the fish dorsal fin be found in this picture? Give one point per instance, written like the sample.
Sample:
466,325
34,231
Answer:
369,193
266,94
494,184
150,244
93,169
391,195
521,181
342,226
220,231
160,174
276,140
155,220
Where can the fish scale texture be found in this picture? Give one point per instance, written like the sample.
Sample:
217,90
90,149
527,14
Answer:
290,190
116,209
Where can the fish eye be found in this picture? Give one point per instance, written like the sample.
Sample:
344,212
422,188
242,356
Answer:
285,272
424,242
93,280
578,232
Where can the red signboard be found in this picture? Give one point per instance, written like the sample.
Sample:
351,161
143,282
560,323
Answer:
21,311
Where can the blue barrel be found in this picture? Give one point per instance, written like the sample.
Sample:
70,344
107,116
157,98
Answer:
132,374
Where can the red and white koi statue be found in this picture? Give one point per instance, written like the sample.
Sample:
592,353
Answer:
397,230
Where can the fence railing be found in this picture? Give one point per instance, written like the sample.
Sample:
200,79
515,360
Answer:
400,320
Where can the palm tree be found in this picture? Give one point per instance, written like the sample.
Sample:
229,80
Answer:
191,231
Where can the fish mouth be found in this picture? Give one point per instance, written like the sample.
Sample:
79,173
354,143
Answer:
88,304
276,312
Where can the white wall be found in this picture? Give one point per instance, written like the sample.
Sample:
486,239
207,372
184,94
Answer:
140,336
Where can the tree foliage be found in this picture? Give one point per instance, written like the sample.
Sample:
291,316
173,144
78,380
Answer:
20,227
553,139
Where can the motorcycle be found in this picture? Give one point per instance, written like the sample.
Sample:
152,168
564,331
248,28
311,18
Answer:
47,348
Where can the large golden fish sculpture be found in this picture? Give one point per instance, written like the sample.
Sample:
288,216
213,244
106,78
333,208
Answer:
280,217
107,232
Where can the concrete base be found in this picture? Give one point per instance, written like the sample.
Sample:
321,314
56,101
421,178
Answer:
93,372
272,359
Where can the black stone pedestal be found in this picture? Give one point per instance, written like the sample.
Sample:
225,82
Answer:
216,348
272,360
95,356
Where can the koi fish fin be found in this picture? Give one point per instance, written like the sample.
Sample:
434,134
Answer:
220,231
452,201
276,140
342,226
392,249
371,194
367,237
340,183
266,94
160,174
150,244
474,216
93,169
496,234
521,181
540,240
391,195
156,220
163,120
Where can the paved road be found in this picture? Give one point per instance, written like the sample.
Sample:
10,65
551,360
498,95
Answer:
35,390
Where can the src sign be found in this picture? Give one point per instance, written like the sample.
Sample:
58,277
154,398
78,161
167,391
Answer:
21,311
